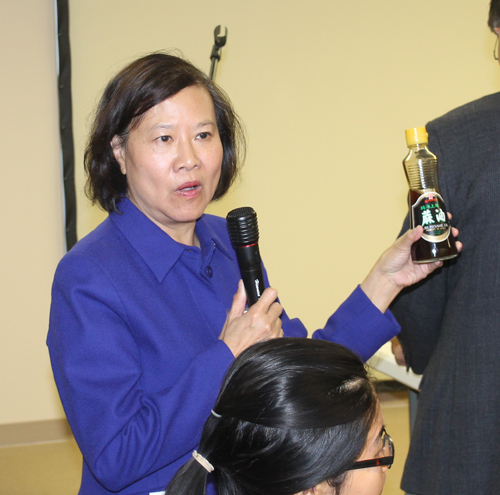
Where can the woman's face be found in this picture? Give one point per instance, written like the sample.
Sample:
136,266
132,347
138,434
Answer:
172,161
368,481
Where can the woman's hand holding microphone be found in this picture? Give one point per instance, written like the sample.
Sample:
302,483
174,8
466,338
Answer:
260,322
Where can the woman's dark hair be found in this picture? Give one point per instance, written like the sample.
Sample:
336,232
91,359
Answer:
138,87
494,15
293,413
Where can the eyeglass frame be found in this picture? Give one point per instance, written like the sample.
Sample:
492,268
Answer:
380,461
495,49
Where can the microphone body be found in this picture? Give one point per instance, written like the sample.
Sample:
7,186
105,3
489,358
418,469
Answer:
244,234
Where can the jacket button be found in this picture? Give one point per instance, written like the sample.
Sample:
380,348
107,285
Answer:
209,271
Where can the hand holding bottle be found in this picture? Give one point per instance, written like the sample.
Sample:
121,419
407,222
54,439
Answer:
395,270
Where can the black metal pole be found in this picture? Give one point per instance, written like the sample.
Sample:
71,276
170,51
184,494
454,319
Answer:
219,42
66,121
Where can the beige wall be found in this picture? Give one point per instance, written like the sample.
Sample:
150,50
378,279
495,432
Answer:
31,240
325,88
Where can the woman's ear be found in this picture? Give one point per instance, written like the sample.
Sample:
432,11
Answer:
322,488
119,153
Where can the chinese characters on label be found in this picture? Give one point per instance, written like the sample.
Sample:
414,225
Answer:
429,211
428,217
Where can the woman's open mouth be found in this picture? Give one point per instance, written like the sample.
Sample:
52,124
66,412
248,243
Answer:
189,189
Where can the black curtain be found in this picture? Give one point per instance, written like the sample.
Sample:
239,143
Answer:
66,121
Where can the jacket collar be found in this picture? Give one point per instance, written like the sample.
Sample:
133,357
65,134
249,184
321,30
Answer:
158,250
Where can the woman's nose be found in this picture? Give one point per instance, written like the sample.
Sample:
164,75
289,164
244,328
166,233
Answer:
186,158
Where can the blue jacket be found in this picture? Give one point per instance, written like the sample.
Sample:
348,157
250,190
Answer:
135,350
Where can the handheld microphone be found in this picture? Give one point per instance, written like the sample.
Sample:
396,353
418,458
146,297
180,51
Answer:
244,234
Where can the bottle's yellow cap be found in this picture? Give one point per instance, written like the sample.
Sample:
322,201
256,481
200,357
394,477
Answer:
416,135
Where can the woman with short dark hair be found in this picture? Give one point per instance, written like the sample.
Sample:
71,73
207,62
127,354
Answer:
144,319
139,87
293,416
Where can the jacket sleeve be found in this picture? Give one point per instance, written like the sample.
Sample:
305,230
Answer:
419,309
357,324
123,432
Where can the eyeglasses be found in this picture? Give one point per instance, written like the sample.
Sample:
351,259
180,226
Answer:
495,50
386,460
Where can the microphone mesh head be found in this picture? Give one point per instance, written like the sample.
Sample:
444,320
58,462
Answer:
242,226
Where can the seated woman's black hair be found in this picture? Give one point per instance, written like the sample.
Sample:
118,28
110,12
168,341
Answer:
291,413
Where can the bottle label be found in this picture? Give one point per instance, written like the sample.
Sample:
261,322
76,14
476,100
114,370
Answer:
430,212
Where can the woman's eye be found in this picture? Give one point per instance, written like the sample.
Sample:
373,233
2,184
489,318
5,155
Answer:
164,139
204,135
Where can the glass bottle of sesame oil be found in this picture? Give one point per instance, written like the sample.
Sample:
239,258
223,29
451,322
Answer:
426,206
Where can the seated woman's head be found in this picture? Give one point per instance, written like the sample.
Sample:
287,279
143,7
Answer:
293,416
